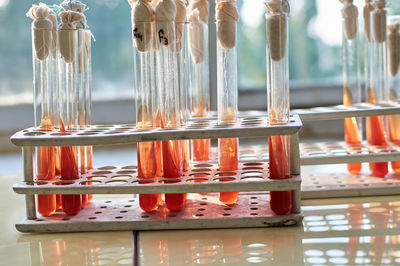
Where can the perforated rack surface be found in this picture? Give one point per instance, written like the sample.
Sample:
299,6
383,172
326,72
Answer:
251,176
246,127
201,211
341,111
205,177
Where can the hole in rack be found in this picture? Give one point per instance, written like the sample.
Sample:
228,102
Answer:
101,172
98,212
254,203
108,201
103,207
119,217
199,214
97,177
129,167
226,214
203,165
145,216
132,200
251,178
253,208
252,168
108,167
122,177
253,213
92,218
196,170
227,209
203,203
197,179
126,172
34,133
123,211
65,219
253,197
128,206
198,174
225,174
252,164
116,182
201,209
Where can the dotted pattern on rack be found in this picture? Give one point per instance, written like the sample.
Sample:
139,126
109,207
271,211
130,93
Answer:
341,111
206,176
252,126
201,211
340,152
202,172
331,185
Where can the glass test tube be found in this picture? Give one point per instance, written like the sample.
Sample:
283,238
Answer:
143,57
69,79
278,102
227,94
84,93
182,54
376,81
44,84
199,81
351,78
393,121
169,109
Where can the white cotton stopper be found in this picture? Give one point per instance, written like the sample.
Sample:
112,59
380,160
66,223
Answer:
226,15
276,28
165,16
201,6
368,8
393,39
180,19
378,21
350,16
67,34
42,27
142,16
53,17
196,40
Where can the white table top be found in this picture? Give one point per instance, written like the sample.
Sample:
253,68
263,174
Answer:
350,231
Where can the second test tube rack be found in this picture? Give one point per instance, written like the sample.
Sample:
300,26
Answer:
201,211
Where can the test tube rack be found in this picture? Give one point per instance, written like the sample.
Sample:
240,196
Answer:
332,184
201,211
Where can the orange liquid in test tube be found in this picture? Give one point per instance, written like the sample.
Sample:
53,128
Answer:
281,201
376,136
71,204
46,171
228,161
351,132
172,165
147,169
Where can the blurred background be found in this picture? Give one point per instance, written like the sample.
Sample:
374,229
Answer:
315,58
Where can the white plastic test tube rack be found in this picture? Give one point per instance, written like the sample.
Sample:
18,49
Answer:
201,211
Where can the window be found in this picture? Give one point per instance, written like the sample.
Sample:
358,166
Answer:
314,42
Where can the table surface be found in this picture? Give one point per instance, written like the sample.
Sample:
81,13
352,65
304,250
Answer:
347,231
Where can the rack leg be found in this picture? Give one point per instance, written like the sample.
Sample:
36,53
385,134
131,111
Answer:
27,155
295,153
